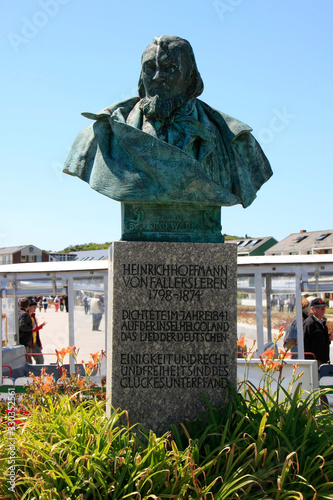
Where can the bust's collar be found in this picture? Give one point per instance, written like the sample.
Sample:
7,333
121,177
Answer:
186,109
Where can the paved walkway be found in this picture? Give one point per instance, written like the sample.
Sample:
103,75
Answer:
54,335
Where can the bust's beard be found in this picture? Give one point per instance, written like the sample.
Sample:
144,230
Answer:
158,108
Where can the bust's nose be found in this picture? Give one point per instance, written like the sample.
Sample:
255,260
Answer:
159,74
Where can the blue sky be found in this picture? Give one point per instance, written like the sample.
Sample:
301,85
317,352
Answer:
266,62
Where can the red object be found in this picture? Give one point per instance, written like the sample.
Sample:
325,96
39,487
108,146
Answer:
10,371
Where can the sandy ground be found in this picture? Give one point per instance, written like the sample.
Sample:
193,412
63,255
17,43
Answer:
55,335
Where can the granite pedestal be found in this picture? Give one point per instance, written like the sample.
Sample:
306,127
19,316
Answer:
172,329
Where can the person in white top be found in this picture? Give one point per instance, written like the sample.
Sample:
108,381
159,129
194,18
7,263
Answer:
97,310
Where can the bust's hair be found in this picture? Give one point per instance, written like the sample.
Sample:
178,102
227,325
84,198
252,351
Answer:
195,84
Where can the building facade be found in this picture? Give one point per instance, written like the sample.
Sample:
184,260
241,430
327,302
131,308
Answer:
251,247
304,243
22,254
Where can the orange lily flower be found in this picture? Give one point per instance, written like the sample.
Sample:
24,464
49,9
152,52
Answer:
284,354
269,354
274,365
95,356
46,387
241,342
61,354
281,331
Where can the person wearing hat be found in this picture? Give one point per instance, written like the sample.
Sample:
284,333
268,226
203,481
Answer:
316,336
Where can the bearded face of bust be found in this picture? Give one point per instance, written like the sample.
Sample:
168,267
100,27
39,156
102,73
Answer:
169,77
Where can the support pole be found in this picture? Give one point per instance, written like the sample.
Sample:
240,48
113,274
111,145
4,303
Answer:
299,317
259,312
70,291
268,306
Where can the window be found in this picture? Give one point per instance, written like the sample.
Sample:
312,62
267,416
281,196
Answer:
300,238
254,242
322,236
23,258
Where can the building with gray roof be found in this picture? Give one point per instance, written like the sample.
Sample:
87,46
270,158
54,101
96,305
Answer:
247,246
304,243
23,254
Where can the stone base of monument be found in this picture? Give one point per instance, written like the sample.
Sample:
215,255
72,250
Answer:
172,329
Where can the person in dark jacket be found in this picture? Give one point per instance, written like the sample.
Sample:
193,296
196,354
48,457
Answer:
316,336
36,342
25,325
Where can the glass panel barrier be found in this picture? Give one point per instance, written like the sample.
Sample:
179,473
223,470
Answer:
279,305
8,322
317,283
43,286
246,309
89,316
320,284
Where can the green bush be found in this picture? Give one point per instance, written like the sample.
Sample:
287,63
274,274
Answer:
253,449
266,443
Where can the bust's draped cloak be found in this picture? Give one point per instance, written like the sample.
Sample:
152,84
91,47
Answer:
220,162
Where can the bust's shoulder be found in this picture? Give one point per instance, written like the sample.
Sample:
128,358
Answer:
223,121
127,105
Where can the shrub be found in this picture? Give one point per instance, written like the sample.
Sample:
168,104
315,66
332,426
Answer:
265,444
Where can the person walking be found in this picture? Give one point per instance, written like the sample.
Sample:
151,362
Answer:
56,302
45,303
25,326
85,304
37,347
316,337
97,310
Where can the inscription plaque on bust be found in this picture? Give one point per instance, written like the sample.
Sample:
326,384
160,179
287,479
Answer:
171,222
173,329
